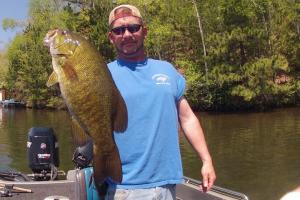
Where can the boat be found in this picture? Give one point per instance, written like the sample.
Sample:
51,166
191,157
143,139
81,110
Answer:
74,188
48,183
11,103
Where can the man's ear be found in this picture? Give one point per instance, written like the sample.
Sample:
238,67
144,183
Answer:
110,37
145,32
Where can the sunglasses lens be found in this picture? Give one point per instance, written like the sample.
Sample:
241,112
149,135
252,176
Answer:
131,28
118,30
134,28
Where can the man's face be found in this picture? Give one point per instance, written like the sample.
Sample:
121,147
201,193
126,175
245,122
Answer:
127,34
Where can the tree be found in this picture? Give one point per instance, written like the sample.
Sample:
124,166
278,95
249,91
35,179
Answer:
3,69
248,45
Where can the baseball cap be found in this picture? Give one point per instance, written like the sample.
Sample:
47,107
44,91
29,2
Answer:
130,11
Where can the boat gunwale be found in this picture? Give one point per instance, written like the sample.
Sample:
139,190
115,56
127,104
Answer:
190,182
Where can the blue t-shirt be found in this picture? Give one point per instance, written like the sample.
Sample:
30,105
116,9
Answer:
149,148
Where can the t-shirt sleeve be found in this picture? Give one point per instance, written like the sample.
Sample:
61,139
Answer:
181,84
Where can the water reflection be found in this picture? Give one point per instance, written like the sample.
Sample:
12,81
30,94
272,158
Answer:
254,153
15,125
5,161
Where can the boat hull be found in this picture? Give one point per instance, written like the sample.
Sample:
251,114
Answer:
77,187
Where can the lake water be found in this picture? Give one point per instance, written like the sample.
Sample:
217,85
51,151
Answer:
254,153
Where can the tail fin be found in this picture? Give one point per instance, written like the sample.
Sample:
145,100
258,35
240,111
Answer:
106,166
102,189
113,166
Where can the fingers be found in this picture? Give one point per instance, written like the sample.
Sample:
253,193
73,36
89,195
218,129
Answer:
209,177
202,188
208,182
205,180
211,181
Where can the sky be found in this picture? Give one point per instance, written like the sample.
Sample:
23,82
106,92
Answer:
15,9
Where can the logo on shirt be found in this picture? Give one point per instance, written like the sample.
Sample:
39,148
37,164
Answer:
161,79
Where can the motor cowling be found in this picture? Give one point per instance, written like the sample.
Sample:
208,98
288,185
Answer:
83,155
42,149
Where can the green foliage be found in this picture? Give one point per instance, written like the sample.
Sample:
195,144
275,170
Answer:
92,22
259,82
56,103
252,48
3,69
29,60
8,23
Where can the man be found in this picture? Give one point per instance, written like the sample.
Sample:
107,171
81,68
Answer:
153,92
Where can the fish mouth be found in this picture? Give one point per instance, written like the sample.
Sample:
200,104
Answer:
49,37
49,41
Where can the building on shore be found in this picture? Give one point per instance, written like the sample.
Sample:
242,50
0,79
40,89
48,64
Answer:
2,95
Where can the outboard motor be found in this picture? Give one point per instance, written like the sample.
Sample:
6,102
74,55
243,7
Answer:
83,155
42,150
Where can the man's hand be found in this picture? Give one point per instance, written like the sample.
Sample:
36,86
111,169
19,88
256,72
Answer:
208,175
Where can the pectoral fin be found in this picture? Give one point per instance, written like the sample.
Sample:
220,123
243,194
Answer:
52,79
70,71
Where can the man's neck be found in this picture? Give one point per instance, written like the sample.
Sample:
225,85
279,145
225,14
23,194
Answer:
133,58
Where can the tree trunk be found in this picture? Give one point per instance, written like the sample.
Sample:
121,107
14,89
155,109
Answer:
202,37
265,25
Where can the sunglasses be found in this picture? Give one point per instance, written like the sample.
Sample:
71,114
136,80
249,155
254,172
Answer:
133,28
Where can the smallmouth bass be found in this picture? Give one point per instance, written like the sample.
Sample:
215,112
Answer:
92,98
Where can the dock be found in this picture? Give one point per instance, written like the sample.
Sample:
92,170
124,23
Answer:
11,103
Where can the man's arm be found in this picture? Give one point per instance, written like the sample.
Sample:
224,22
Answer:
194,133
